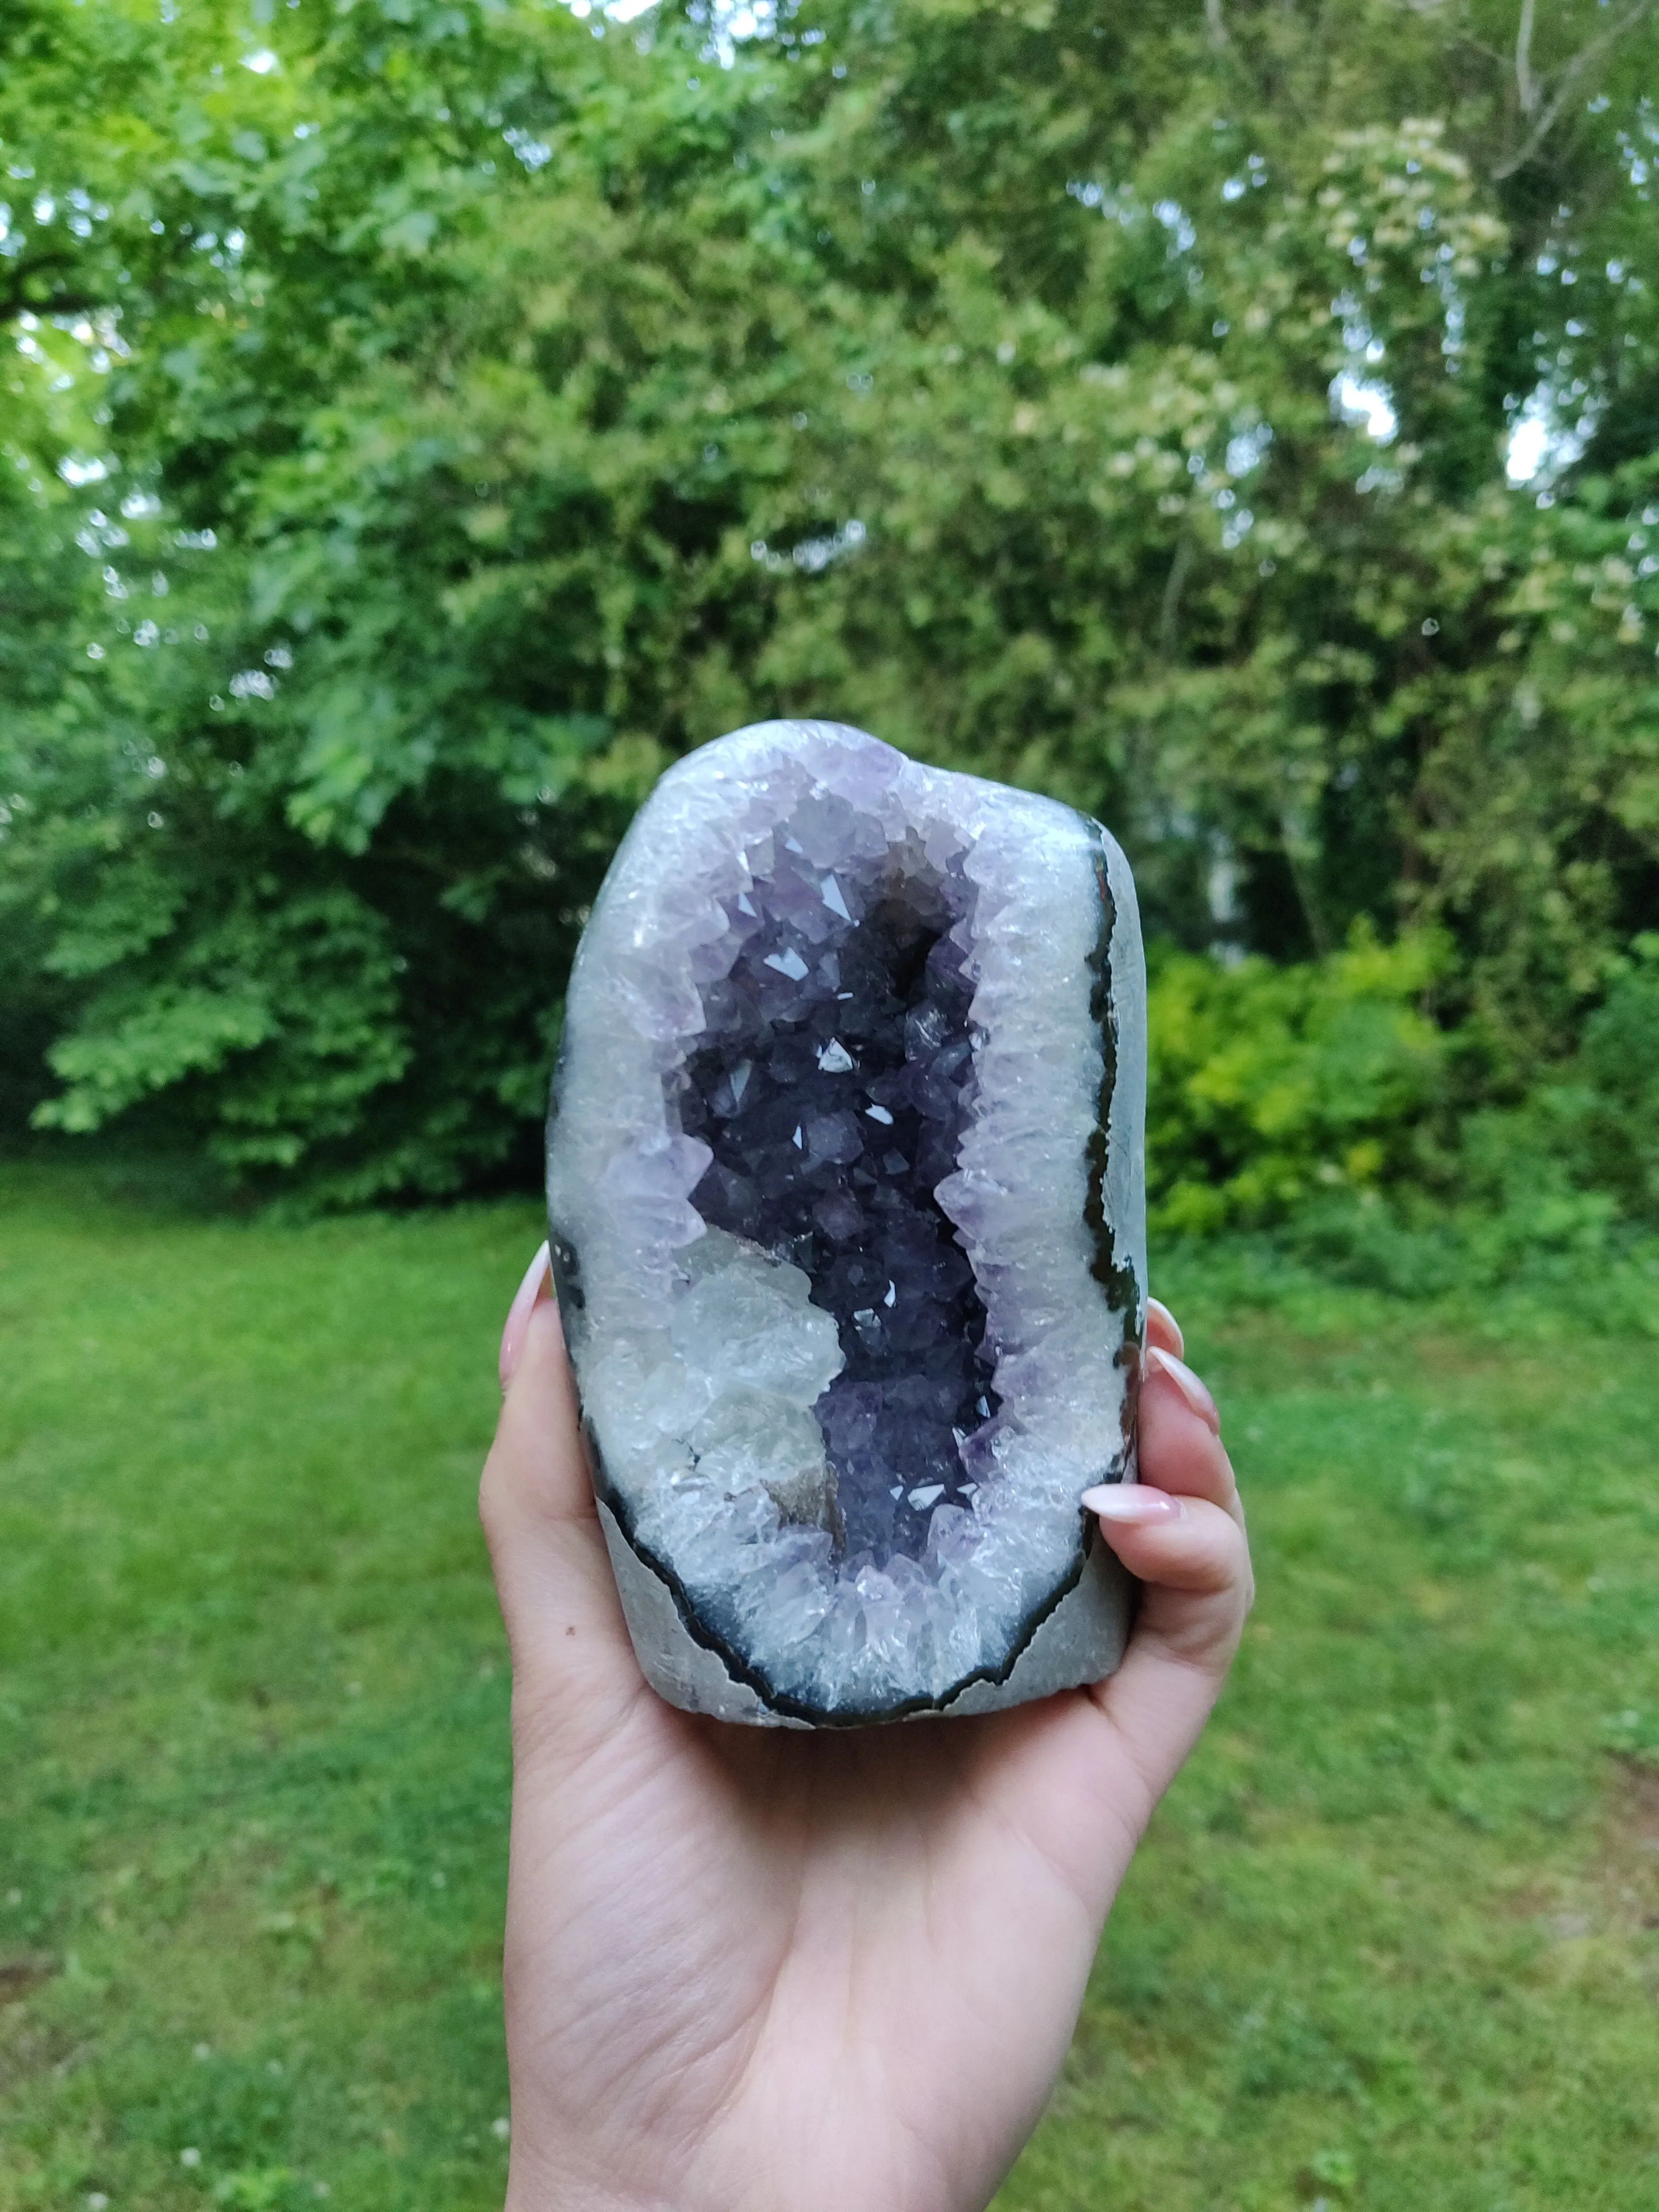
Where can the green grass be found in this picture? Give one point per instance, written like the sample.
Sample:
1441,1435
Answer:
1393,1942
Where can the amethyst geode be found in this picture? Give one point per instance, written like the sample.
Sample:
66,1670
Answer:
846,1191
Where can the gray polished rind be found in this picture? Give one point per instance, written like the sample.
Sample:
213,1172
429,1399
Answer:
1079,1642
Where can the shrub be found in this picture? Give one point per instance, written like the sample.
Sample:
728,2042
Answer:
1617,1103
1273,1085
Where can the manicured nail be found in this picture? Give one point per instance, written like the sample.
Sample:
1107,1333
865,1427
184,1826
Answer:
1165,1363
1131,1502
1156,1306
537,1284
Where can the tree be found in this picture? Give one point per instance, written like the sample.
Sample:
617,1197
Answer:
1118,405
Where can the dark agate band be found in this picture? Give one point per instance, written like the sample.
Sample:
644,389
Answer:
1083,1623
1113,1265
818,1104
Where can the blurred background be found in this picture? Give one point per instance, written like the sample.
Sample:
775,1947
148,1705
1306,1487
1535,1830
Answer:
422,420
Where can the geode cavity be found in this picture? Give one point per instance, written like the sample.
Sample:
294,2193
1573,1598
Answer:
845,1184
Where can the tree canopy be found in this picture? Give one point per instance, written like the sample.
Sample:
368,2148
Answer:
429,417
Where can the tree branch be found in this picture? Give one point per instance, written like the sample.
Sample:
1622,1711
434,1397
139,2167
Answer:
1566,84
1292,844
1525,84
60,303
51,268
1169,614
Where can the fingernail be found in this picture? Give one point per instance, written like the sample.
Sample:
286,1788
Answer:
1156,1306
1165,1363
1132,1502
537,1284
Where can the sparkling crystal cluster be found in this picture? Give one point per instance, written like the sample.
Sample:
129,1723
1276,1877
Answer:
845,1187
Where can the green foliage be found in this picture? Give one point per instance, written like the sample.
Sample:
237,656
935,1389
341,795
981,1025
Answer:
430,417
1274,1085
1317,1106
1391,1931
1617,1102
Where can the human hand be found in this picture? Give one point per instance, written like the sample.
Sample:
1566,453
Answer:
755,1970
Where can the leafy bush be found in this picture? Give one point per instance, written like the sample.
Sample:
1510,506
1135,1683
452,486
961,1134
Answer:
1271,1085
1577,1160
1615,1103
1314,1110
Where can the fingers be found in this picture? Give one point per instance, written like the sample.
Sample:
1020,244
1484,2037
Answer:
1180,1531
1163,1329
1180,1448
1111,1751
557,1594
1167,1367
1196,1571
1194,1560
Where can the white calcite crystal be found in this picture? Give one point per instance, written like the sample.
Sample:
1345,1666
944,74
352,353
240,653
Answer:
845,1182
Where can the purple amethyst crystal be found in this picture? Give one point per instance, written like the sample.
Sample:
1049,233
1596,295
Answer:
846,1194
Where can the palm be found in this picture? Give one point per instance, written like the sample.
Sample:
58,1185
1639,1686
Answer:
835,1970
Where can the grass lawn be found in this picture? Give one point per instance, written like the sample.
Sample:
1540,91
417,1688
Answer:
1393,1942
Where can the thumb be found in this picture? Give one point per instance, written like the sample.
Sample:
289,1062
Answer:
573,1667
